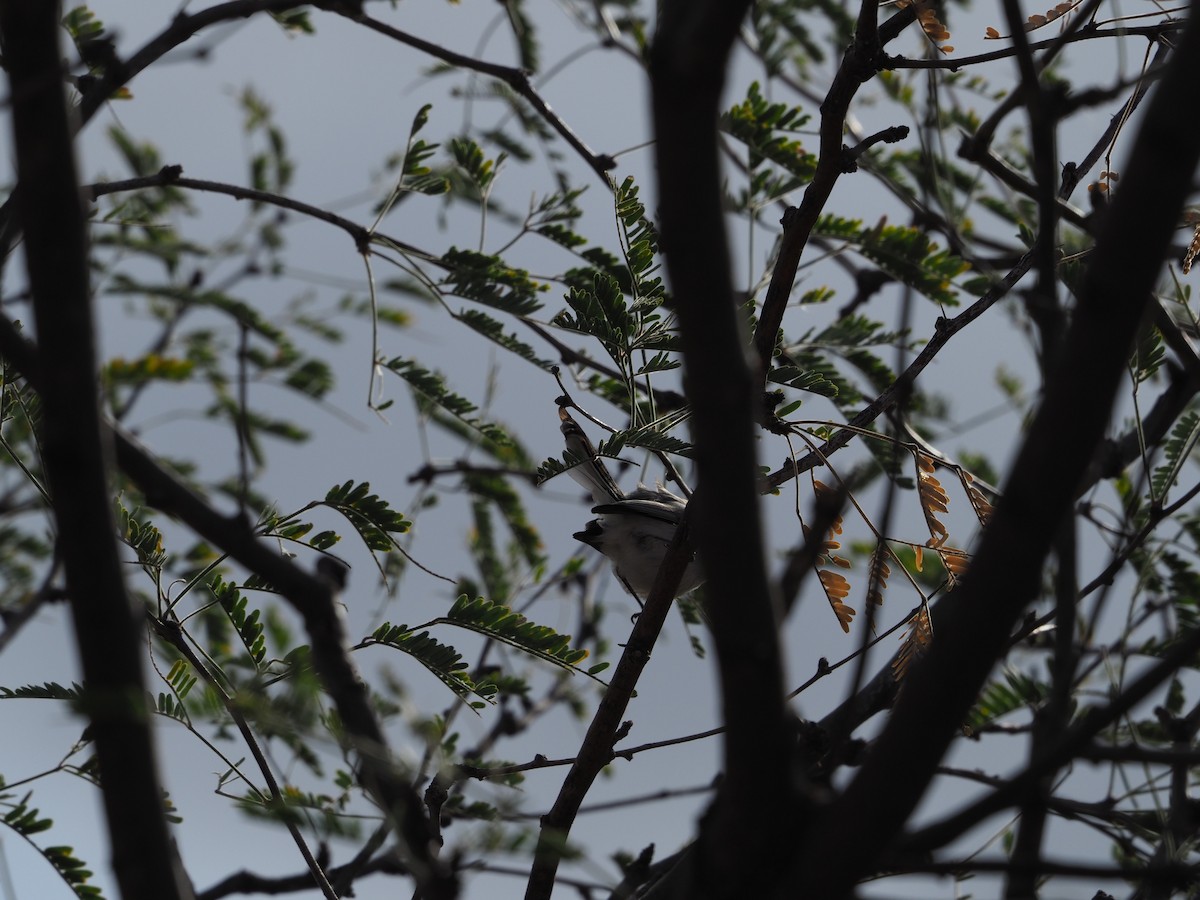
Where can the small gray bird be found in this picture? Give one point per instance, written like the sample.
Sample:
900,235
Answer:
633,530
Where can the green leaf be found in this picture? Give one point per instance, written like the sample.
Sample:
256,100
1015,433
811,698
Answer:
649,437
312,377
487,557
999,698
523,31
907,254
508,144
82,25
256,425
804,380
551,467
324,814
489,280
432,387
181,678
600,311
271,169
757,123
660,362
294,21
27,821
241,312
499,492
143,538
494,331
561,235
1177,450
640,242
441,659
848,337
414,174
371,516
1148,355
247,624
471,159
324,540
50,690
502,624
150,367
167,705
784,31
141,158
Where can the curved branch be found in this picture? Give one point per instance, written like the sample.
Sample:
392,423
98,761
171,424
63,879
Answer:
517,79
185,26
173,176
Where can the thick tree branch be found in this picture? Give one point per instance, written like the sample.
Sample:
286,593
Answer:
1005,574
246,882
107,624
745,835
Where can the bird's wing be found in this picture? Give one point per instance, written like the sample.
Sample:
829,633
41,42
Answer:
650,509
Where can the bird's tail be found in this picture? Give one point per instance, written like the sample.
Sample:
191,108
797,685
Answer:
587,467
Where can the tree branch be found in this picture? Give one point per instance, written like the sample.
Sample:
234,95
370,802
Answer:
954,64
596,752
886,401
1005,574
171,632
517,79
107,622
863,59
183,28
745,835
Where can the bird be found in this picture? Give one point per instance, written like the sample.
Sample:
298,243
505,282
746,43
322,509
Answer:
633,530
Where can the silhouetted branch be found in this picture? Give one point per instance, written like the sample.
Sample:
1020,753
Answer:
75,452
979,615
746,831
863,59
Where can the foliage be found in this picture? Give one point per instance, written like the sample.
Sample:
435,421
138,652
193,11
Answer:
26,822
